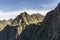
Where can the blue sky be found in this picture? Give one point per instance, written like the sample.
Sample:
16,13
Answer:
13,7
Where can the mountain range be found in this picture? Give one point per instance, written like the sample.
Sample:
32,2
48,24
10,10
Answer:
33,27
22,20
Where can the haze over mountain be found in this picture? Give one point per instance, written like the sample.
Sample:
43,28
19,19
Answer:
13,14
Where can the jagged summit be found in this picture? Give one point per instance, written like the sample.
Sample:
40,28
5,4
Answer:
24,16
25,19
58,7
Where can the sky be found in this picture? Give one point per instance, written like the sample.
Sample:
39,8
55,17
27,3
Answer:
12,8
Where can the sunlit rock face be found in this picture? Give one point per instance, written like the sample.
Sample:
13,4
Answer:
8,33
25,19
48,30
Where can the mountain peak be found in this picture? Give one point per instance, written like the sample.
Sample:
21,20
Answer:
24,13
58,7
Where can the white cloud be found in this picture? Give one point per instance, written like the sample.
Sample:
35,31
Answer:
13,14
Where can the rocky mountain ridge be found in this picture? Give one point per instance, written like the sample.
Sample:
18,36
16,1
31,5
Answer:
25,19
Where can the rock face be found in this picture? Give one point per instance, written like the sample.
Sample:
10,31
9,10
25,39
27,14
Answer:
8,33
48,30
25,19
28,19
